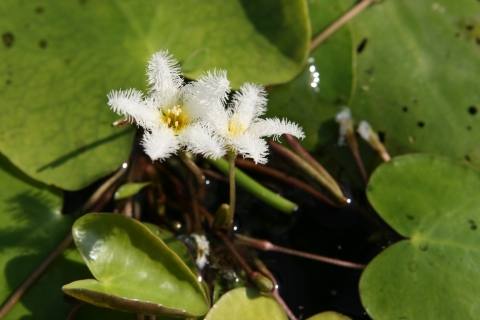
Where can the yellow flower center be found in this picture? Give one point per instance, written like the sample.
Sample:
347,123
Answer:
235,126
175,118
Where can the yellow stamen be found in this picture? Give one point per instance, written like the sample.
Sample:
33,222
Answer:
235,127
175,118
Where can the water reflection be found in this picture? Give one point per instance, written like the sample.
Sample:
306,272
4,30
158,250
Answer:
315,75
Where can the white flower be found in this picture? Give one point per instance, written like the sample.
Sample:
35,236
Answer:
203,250
345,120
171,113
364,130
241,128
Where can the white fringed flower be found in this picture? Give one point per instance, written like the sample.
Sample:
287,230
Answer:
241,128
345,120
364,130
172,112
371,137
203,250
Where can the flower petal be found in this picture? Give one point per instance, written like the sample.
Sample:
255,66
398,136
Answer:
130,104
206,96
345,120
250,146
200,138
275,127
164,76
249,103
160,143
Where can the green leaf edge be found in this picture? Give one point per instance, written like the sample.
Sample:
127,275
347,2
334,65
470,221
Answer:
133,306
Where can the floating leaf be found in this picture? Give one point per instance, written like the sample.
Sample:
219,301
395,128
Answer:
129,189
31,227
135,271
173,244
434,203
181,250
62,59
246,304
329,315
325,83
417,83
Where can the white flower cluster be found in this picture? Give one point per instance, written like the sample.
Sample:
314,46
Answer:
203,250
196,117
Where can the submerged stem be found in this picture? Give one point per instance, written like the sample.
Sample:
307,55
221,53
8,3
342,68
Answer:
259,191
231,174
353,145
349,15
197,194
35,275
265,245
286,178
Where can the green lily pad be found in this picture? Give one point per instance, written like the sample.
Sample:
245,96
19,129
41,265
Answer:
62,59
32,226
434,203
329,315
129,189
173,244
246,304
416,75
313,104
181,250
135,271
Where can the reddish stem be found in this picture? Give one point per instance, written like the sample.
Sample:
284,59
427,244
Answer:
286,178
265,245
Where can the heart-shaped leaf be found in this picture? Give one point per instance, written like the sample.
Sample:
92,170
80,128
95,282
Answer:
173,244
434,203
135,271
325,83
60,60
246,304
181,250
416,75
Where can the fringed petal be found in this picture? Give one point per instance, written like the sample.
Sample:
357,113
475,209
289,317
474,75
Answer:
250,146
164,76
199,138
275,127
130,104
249,103
206,97
160,143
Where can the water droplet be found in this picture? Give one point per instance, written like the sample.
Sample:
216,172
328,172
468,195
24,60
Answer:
124,165
412,266
312,68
